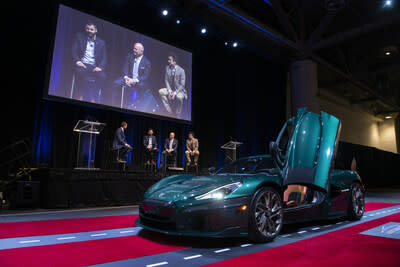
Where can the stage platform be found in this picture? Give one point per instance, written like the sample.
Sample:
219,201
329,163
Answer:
70,188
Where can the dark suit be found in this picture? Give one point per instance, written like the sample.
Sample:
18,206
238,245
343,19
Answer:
88,82
150,154
119,142
143,77
172,154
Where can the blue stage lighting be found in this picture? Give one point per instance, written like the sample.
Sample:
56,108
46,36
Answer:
203,30
226,43
164,12
388,2
235,44
178,21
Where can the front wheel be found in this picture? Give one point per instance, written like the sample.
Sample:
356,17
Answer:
357,202
266,215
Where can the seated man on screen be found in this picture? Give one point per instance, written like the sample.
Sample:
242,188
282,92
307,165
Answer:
136,73
174,91
192,149
89,55
120,143
150,148
170,148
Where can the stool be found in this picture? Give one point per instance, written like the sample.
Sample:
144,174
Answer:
169,161
115,158
192,165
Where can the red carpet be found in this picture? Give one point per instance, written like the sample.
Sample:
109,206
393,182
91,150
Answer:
50,227
344,247
370,206
84,253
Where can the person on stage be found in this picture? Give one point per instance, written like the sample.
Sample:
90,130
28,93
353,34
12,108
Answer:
136,73
174,92
192,149
120,143
170,149
150,148
90,58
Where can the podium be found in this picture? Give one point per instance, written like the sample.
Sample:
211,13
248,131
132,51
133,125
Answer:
86,148
230,150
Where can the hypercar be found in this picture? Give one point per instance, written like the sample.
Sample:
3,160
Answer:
255,196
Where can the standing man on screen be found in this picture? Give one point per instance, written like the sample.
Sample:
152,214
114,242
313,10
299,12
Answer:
90,58
120,143
136,73
174,91
170,148
150,148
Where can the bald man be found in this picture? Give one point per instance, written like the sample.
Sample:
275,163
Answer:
136,73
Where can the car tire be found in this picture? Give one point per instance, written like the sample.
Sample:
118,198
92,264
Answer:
265,215
356,202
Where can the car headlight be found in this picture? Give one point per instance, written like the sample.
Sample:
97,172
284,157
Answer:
220,192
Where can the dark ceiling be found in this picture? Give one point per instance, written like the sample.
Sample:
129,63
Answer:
355,42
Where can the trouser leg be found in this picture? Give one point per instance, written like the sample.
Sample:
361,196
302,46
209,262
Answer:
187,154
196,156
164,98
179,99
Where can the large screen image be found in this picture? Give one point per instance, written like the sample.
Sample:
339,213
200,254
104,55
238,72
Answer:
96,61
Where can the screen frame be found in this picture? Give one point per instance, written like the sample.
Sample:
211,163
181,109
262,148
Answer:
48,97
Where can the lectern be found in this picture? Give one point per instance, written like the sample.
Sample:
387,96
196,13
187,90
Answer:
87,133
230,150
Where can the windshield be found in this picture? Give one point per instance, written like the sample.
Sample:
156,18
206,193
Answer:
248,166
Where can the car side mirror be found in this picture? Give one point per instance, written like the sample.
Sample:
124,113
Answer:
212,170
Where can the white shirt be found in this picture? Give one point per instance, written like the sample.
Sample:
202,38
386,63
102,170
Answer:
170,143
135,70
150,141
88,57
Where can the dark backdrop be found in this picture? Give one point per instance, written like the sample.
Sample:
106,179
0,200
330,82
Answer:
237,94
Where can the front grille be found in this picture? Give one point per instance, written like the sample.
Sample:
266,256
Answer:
157,210
166,226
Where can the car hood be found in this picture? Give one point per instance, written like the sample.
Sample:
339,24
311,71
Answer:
183,187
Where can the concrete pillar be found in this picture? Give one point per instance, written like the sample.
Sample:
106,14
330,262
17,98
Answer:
397,132
304,82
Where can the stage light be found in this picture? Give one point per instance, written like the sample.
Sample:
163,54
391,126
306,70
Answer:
164,12
203,30
387,53
388,117
226,43
387,3
235,44
178,21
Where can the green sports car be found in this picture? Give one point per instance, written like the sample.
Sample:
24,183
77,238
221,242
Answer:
255,196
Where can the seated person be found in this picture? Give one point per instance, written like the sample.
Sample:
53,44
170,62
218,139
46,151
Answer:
136,72
89,55
120,143
150,148
192,149
170,147
174,90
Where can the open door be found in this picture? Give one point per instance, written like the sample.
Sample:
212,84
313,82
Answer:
309,149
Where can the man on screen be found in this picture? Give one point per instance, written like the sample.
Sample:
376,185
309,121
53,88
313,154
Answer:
90,58
136,73
174,91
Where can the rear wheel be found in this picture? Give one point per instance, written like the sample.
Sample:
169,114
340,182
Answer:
266,215
357,202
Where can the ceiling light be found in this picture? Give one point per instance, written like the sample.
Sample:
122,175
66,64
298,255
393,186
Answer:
164,12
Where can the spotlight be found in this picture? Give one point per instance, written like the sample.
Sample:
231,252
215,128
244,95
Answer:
388,117
178,21
387,53
235,44
388,2
226,43
203,30
164,12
